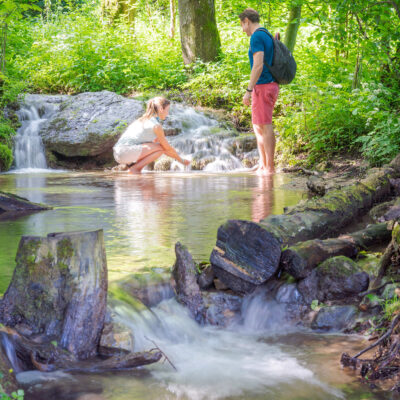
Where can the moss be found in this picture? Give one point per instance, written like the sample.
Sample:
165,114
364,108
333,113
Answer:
396,233
59,123
64,249
339,266
6,157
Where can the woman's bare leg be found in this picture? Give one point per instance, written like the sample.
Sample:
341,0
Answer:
150,152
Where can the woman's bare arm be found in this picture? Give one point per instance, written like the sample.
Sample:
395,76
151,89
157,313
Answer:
169,150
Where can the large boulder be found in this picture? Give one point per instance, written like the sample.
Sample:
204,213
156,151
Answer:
337,278
89,124
222,308
187,289
246,255
59,290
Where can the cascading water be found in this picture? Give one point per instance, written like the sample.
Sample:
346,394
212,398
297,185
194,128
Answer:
214,363
202,140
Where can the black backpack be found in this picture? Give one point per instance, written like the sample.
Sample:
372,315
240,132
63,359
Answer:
283,68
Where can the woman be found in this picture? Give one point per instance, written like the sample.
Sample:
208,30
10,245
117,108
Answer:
144,140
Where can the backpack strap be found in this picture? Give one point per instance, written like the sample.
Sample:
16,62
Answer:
273,44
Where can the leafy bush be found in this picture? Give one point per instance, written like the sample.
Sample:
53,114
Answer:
6,157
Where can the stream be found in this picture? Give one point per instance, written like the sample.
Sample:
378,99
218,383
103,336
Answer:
257,357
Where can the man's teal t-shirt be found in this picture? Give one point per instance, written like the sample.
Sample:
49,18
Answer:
261,41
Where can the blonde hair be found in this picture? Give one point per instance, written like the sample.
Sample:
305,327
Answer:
153,106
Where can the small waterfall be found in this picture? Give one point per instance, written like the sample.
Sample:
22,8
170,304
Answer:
202,140
213,363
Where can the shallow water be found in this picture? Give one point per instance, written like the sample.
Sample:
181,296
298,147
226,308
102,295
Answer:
259,357
142,216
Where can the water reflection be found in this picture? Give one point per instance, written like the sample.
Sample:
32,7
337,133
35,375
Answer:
142,216
262,198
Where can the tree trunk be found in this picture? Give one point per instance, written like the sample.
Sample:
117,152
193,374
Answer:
172,18
198,28
292,27
119,9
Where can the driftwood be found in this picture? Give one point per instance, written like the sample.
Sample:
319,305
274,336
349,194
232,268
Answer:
49,356
389,265
386,362
301,169
299,260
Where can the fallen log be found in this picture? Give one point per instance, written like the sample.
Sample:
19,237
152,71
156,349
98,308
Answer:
48,356
325,216
320,218
299,260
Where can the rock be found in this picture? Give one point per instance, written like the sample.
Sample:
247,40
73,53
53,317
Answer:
288,293
29,378
220,285
117,336
337,278
59,289
244,144
378,211
391,291
89,124
395,185
250,159
187,290
316,186
11,205
206,278
222,308
163,163
243,265
336,318
393,213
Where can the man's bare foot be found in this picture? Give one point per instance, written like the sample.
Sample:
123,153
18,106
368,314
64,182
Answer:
264,172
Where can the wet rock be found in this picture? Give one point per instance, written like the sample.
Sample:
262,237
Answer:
10,205
243,144
206,278
28,378
117,336
288,293
335,318
59,289
89,124
149,287
377,212
222,308
395,183
187,289
163,164
250,159
337,278
243,265
316,186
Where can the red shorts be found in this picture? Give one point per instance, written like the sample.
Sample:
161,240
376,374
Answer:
263,99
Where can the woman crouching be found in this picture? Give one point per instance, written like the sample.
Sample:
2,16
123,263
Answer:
144,140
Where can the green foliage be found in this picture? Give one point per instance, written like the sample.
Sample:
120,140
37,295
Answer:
17,395
331,106
6,157
391,307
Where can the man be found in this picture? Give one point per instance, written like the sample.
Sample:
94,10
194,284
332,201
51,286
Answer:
262,89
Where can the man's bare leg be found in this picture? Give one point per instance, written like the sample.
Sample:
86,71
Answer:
269,146
262,162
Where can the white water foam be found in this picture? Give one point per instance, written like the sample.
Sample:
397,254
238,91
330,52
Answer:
215,363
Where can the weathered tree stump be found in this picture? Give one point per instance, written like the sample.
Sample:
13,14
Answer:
59,289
